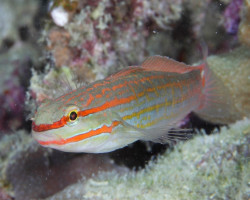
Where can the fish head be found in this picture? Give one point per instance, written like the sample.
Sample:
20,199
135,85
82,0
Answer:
72,128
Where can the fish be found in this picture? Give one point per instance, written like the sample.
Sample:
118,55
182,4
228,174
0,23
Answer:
144,102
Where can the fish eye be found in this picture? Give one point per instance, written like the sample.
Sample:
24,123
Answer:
73,115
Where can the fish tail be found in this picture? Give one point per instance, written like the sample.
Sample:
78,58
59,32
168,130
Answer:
216,104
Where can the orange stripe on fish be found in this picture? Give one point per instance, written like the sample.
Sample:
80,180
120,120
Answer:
107,84
45,127
106,105
91,133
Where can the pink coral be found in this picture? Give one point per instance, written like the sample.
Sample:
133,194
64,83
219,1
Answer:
11,105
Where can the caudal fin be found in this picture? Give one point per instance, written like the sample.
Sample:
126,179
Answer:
216,104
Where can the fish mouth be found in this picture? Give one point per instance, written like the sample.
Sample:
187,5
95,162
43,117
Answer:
44,138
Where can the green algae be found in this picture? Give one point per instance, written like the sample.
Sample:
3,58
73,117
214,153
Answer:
206,167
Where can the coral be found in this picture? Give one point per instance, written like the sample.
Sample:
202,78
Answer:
244,31
232,16
234,70
15,71
87,37
207,167
162,12
11,115
17,54
52,84
101,37
59,45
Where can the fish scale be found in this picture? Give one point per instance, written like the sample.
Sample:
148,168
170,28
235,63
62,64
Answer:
157,100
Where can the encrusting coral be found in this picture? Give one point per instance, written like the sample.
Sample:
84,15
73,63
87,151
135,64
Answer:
206,167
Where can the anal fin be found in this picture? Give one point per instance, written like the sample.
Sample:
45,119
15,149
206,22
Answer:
174,135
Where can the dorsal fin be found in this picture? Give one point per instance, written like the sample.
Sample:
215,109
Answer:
124,72
164,64
155,63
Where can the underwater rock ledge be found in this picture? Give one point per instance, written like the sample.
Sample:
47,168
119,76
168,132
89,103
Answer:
207,167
